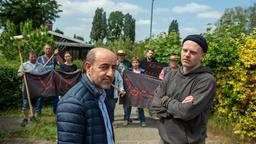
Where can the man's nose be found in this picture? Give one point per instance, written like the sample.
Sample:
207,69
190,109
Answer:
187,53
110,72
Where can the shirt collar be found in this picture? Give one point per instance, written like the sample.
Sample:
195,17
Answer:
102,96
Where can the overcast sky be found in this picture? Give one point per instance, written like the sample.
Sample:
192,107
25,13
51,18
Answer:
192,15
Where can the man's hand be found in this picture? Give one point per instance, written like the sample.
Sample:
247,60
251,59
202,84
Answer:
122,93
21,74
188,99
165,100
56,52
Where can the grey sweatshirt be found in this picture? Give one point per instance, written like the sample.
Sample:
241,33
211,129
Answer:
184,123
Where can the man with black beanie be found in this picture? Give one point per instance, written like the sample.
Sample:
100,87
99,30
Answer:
182,101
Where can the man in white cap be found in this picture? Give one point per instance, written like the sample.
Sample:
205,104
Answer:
123,64
173,65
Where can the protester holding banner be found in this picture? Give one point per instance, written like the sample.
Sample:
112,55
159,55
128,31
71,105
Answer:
148,59
184,97
49,61
68,66
173,65
82,114
31,66
123,64
113,93
127,113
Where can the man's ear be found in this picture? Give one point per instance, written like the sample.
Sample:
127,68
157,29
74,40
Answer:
87,66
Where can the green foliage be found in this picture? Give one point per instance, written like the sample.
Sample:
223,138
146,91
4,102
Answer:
18,11
8,43
118,26
174,27
232,49
10,84
99,43
43,129
139,49
238,20
124,44
33,40
164,45
251,13
79,64
115,25
129,27
235,98
222,51
99,25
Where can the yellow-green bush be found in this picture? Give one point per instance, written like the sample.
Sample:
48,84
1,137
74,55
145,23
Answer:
236,88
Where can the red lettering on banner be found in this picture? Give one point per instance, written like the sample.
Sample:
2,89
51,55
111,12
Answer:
46,85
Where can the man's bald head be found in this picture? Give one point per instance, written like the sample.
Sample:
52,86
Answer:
96,52
100,66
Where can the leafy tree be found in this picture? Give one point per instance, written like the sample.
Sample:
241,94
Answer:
164,45
121,43
174,27
222,51
115,25
251,14
33,40
99,25
38,11
129,27
238,20
234,19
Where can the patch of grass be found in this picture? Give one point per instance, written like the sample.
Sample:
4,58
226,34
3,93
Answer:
11,112
221,128
44,128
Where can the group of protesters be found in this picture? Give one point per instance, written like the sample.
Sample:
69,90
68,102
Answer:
42,64
85,114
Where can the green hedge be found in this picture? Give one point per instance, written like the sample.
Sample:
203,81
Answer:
10,85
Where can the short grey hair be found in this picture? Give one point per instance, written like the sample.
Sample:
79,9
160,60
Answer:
91,56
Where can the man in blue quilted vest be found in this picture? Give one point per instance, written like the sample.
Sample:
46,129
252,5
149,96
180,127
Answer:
82,113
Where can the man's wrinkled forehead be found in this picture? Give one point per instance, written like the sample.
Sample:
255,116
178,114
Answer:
47,47
110,60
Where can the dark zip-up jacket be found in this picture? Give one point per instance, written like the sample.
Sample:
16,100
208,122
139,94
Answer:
184,123
79,118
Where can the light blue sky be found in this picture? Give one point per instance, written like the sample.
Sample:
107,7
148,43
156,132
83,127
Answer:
192,15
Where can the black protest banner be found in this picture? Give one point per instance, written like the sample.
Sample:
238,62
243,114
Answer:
52,83
139,89
154,68
64,81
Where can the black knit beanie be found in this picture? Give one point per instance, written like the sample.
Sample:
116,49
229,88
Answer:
200,40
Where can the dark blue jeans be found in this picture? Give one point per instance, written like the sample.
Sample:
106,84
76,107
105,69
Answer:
40,101
127,114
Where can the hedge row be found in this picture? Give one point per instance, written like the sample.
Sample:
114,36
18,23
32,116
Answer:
10,85
236,88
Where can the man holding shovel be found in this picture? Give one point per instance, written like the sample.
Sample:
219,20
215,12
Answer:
30,66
